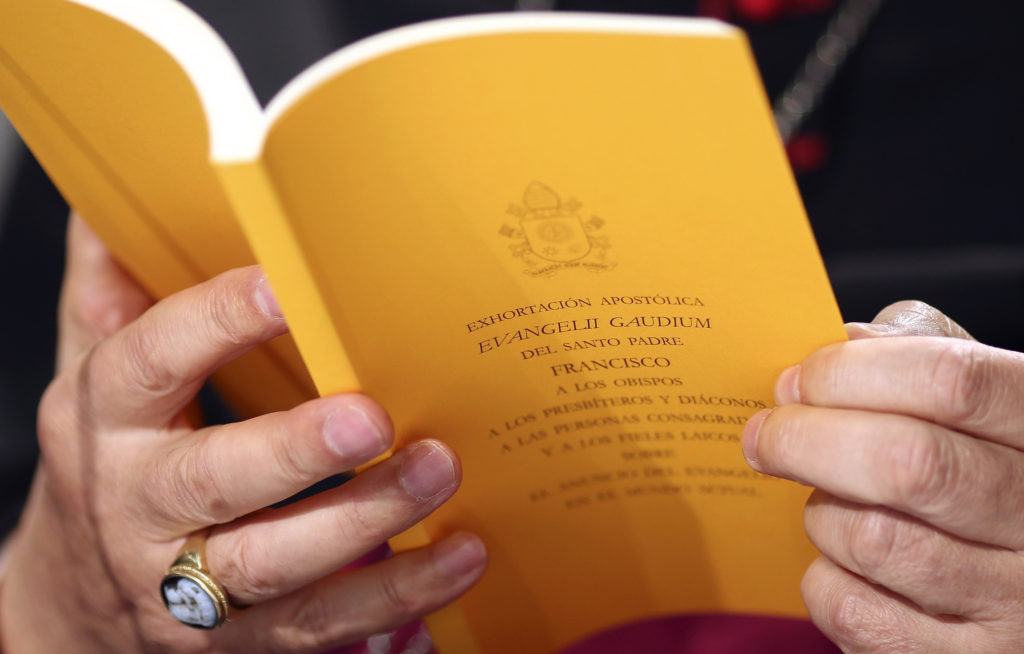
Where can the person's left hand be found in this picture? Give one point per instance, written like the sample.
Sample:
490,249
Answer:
916,447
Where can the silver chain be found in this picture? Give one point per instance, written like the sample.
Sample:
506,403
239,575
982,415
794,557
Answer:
535,5
803,95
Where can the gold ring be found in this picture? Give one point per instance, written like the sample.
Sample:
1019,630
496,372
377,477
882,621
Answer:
190,592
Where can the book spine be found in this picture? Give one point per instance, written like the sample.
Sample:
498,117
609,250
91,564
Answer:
263,220
259,211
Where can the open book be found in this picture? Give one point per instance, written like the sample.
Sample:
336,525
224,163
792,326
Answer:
569,245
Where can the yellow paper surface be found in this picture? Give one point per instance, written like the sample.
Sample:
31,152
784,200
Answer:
580,260
120,130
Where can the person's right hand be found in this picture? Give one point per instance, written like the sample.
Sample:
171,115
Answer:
124,479
913,435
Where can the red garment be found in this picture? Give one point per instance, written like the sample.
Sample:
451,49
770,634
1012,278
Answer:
707,634
696,634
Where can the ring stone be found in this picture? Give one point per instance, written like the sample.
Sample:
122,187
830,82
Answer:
191,594
189,603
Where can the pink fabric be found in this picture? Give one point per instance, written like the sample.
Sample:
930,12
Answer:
410,639
700,634
704,634
709,634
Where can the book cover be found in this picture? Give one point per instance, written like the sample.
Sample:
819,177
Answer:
568,245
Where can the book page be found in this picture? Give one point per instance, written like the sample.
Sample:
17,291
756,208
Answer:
581,260
118,124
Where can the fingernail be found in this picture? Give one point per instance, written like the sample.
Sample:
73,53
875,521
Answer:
460,554
350,432
787,390
427,471
266,300
750,432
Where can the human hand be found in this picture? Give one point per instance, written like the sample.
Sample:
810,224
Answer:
916,447
124,478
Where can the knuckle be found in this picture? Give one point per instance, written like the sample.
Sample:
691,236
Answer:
245,573
916,308
78,314
922,472
782,430
61,434
204,485
230,311
55,416
291,460
883,547
844,617
193,488
395,599
862,624
873,543
222,311
168,640
913,317
963,376
359,521
312,625
93,315
141,362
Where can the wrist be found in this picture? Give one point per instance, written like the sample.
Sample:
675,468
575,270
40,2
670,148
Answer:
38,609
5,548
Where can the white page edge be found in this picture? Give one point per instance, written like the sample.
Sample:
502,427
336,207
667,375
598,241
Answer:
238,126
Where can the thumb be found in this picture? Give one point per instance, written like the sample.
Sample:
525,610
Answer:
908,318
97,297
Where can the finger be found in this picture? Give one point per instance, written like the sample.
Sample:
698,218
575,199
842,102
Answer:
97,297
352,605
221,473
861,617
276,552
908,318
151,369
963,385
968,487
940,573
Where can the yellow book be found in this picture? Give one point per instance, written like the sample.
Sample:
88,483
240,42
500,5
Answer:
569,245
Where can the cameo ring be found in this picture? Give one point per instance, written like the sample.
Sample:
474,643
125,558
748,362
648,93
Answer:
190,592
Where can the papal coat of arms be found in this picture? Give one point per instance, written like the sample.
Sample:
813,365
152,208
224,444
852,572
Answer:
552,234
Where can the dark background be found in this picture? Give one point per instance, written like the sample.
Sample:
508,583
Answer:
911,168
